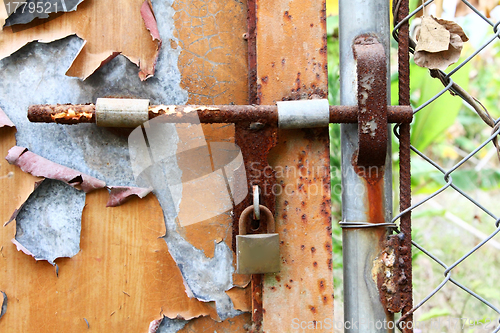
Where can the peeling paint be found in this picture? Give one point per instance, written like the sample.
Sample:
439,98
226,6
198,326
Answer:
118,195
105,38
42,167
103,153
71,115
48,225
150,23
166,325
370,127
24,15
4,120
206,278
241,298
4,304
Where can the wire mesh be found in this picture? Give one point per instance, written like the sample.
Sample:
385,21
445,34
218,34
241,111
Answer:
449,86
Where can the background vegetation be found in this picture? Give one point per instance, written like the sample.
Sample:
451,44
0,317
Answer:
446,131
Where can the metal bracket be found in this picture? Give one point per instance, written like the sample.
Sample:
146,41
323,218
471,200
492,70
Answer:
303,113
372,101
121,112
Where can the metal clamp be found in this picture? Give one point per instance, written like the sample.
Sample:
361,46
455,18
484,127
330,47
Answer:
121,112
372,101
303,113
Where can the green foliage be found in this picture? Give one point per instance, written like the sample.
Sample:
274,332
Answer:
434,313
335,156
431,122
334,99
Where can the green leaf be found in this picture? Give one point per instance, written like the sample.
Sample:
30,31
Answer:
431,123
434,313
470,179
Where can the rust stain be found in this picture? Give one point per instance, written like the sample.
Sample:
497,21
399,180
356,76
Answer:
206,30
255,146
306,273
71,115
62,113
280,29
373,177
252,51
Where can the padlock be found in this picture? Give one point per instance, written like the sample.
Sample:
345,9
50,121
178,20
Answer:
257,253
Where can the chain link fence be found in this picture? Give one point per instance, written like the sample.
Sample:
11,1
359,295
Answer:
437,206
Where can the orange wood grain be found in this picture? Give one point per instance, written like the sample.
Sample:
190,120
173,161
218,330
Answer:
121,280
123,277
106,26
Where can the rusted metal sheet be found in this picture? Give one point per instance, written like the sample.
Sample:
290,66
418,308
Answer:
264,114
291,50
213,50
292,64
303,220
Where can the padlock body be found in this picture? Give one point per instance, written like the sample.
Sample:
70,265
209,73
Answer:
257,253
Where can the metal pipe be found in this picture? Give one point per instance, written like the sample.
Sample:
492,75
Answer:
367,193
266,114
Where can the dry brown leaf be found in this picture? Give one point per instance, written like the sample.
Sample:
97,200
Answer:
433,36
453,28
439,44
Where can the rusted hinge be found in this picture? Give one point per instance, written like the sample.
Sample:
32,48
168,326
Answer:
372,101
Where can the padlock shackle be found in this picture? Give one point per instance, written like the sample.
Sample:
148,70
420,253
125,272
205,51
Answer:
244,218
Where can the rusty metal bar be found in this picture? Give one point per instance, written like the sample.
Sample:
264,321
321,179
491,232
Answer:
266,114
367,191
401,10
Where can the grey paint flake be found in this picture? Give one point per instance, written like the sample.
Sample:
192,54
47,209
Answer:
4,304
167,325
207,279
22,13
49,223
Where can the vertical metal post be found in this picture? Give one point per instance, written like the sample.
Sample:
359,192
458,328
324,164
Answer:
363,308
